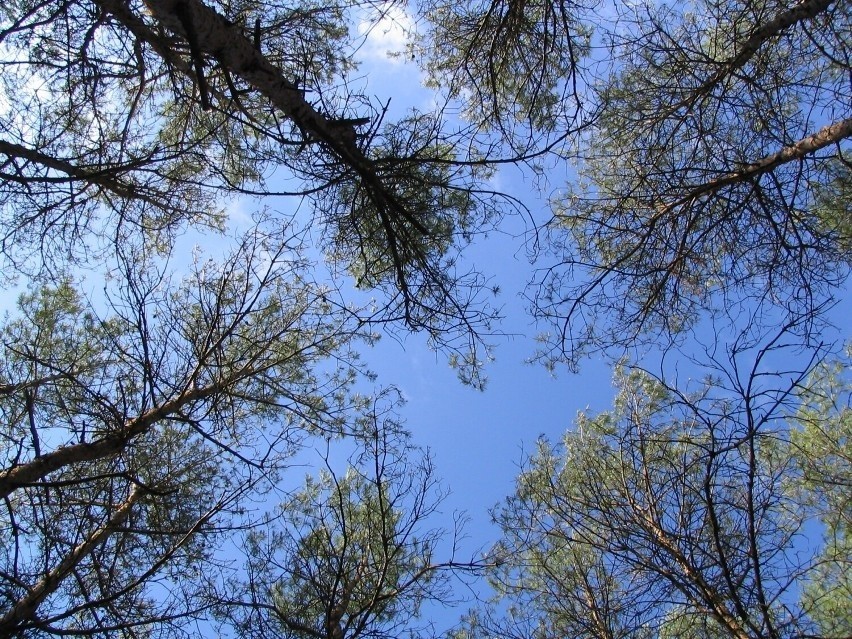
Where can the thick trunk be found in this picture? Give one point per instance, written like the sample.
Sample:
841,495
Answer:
230,46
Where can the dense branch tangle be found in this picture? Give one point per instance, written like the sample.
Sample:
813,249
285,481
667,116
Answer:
713,173
682,512
406,233
156,158
513,65
351,556
132,434
129,441
231,47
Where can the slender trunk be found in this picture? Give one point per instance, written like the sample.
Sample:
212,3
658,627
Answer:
26,607
804,10
40,467
708,598
826,136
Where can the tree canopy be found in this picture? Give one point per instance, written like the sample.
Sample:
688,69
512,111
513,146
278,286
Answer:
683,511
145,116
703,177
350,554
155,400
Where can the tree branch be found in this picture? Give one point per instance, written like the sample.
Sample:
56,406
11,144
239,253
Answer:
826,136
25,608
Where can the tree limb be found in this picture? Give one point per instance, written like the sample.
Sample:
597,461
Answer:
25,608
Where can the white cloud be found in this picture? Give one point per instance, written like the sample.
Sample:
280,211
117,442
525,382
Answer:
386,36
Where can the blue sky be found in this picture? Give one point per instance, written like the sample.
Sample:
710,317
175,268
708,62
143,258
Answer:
478,439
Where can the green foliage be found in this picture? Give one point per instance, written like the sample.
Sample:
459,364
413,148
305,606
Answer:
679,514
142,417
404,239
823,448
832,206
149,415
133,436
110,138
61,386
508,62
350,555
707,174
388,244
681,622
343,558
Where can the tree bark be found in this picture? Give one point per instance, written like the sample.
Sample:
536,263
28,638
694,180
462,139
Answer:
26,607
231,47
37,469
804,10
826,136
